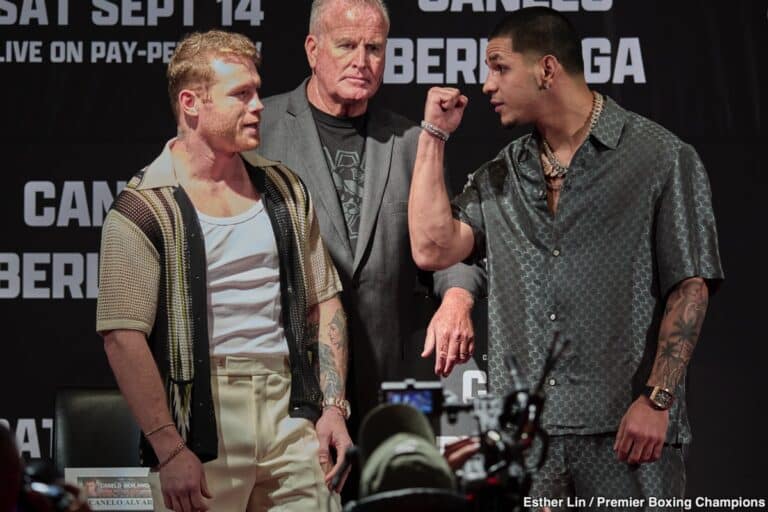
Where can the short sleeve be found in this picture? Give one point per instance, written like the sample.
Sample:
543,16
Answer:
322,279
466,208
686,235
129,270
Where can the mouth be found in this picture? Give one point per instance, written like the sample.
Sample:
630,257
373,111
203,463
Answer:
496,105
251,126
357,80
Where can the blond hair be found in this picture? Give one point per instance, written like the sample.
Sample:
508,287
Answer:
190,65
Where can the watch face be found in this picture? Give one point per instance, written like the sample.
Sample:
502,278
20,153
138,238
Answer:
663,399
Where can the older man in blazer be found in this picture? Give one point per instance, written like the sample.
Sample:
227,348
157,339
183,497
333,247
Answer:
356,162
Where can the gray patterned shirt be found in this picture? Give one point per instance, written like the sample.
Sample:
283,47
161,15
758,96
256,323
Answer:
634,219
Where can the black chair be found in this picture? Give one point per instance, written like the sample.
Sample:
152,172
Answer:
94,428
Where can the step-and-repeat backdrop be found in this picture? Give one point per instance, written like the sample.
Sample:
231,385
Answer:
84,106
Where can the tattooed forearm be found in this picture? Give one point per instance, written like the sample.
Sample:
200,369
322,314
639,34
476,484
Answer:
331,382
334,348
680,328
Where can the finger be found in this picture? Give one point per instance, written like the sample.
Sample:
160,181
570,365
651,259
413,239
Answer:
204,487
341,455
624,444
450,101
453,354
441,341
343,479
197,502
657,451
167,501
429,342
177,507
464,352
636,454
325,463
647,454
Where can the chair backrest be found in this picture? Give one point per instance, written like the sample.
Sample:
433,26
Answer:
94,428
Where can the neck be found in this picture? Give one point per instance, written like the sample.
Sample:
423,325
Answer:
325,103
565,122
195,160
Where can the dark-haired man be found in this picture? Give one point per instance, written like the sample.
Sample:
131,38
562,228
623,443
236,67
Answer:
597,226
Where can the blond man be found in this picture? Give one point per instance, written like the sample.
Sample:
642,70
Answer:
217,298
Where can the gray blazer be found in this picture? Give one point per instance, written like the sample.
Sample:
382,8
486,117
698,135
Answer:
385,296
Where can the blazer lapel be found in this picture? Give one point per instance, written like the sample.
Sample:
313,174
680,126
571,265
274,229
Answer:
378,158
310,153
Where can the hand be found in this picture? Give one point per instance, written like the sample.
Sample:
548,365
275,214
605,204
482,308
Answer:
642,432
458,452
445,108
451,332
183,483
332,431
78,504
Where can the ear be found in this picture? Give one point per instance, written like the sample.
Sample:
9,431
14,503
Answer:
547,69
188,102
311,47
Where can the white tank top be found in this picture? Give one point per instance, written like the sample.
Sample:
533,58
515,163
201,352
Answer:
243,284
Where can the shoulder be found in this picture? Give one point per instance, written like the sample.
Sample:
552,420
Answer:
275,105
399,124
498,167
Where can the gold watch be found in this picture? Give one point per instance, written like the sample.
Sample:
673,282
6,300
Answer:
342,404
661,398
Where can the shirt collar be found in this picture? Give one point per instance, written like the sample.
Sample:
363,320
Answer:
160,172
610,124
607,131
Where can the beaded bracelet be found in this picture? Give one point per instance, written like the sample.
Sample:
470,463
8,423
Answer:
179,448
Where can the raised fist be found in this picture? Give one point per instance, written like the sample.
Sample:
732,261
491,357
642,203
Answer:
445,108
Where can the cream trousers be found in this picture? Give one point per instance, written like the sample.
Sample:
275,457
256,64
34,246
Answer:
267,460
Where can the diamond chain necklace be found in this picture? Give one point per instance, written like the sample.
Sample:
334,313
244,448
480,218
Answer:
557,169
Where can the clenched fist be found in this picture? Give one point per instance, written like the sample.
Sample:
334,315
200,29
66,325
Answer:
445,108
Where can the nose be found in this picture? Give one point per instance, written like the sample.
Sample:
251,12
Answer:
360,56
255,105
489,87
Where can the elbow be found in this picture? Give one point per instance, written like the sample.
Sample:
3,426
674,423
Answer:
428,259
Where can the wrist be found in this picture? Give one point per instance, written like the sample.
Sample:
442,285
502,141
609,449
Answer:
164,442
659,397
435,131
458,294
339,404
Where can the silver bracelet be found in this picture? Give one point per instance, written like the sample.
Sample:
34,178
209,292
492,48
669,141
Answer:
435,131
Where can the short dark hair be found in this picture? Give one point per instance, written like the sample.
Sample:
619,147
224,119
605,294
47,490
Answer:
543,31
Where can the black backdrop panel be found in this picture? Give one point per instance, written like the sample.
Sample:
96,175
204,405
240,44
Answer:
84,106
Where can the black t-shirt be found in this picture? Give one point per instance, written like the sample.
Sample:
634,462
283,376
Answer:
343,142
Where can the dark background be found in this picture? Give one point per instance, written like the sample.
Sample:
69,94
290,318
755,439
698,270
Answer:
705,66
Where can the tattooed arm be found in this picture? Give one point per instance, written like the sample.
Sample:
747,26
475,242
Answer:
680,328
643,429
328,322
